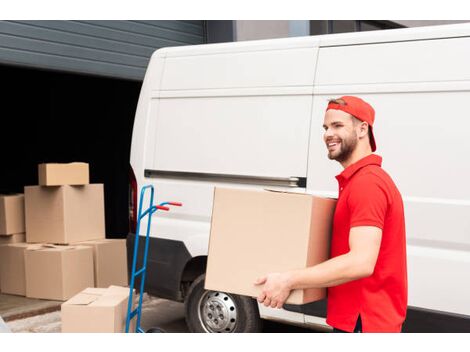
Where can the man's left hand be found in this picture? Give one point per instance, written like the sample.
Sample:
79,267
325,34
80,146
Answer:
275,291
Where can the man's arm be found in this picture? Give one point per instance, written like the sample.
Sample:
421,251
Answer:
359,262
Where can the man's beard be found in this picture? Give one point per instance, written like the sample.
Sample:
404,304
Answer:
347,147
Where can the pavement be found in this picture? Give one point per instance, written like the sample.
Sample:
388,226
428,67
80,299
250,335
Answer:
40,316
17,307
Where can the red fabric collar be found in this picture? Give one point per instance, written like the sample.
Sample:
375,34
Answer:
347,173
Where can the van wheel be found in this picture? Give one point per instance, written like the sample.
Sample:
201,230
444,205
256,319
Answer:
216,312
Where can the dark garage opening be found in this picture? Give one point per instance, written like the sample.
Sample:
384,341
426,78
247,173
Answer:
61,117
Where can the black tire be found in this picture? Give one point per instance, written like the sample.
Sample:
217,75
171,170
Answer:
240,314
155,331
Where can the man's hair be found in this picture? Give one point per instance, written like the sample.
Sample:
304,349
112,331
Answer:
355,120
337,101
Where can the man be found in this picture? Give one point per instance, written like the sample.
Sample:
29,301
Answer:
366,275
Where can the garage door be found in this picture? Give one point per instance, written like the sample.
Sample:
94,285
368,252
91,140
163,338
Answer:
119,49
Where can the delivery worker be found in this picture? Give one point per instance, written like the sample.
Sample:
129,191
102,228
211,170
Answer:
366,276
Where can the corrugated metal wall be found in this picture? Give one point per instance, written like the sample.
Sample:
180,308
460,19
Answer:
119,49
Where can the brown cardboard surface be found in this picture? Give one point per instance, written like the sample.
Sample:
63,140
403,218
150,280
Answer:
257,232
63,174
12,269
64,214
110,262
96,310
58,272
14,238
12,214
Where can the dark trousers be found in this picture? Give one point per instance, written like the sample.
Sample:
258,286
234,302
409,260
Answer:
357,328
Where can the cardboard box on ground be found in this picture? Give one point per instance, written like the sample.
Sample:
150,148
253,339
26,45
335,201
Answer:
46,275
255,232
58,272
110,262
12,270
97,310
12,228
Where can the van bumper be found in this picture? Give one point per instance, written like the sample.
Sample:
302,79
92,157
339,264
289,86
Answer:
166,260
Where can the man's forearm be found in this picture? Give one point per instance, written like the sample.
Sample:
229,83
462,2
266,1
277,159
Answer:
333,272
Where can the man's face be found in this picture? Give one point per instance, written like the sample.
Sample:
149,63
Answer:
340,135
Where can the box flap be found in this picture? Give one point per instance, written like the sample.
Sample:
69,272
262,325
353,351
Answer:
87,296
72,163
299,191
54,247
83,299
293,191
117,289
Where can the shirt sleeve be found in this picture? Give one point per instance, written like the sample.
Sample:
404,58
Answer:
367,202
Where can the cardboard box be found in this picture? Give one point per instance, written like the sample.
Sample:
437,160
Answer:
15,238
109,261
97,310
58,272
63,174
12,269
64,214
12,214
254,233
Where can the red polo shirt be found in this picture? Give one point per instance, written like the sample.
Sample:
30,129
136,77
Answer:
368,197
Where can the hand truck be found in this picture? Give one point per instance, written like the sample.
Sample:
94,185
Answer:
142,271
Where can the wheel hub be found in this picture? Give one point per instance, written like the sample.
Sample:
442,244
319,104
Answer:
217,312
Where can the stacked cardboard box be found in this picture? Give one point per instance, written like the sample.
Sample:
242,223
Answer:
57,272
65,250
110,262
12,224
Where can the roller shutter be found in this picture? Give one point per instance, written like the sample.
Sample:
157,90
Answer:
119,49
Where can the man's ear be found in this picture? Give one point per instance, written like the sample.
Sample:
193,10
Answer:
363,129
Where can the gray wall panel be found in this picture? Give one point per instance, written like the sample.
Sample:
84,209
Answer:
119,49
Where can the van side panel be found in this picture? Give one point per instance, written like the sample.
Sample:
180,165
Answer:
435,60
260,135
417,90
240,69
252,108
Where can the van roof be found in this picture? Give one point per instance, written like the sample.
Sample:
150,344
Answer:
326,40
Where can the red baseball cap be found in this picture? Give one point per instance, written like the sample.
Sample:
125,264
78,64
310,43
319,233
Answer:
360,110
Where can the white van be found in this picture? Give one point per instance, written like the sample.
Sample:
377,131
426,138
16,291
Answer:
249,114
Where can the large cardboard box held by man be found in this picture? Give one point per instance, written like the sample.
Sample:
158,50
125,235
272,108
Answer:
63,174
97,310
64,214
12,214
255,232
58,272
109,261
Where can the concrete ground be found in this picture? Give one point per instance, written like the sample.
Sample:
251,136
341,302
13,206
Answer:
156,312
17,307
